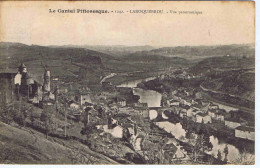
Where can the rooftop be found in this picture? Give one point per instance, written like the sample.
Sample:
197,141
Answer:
202,114
233,120
221,112
244,128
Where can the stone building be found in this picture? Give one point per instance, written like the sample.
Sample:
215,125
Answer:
7,89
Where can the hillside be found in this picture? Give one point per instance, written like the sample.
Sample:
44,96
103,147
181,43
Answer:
68,63
238,83
58,60
118,50
195,52
228,74
23,146
223,63
74,62
114,50
155,62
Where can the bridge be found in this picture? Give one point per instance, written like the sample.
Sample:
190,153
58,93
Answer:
160,112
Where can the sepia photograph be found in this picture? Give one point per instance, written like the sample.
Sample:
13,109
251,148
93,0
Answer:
127,83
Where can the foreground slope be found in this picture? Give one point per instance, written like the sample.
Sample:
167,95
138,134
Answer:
21,146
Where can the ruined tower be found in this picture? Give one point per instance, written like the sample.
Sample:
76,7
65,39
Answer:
22,69
46,87
46,81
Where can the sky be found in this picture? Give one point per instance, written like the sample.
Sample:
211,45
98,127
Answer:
220,23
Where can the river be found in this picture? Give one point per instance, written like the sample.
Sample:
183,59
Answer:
153,99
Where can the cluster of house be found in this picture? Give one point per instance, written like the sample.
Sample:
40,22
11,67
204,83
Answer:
122,126
178,74
111,102
21,83
189,104
82,102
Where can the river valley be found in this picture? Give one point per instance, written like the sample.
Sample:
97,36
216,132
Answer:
153,99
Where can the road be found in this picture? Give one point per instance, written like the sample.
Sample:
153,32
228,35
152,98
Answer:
107,77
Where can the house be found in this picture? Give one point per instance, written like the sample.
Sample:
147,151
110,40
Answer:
183,114
203,118
192,112
176,110
161,77
121,101
74,105
204,102
232,123
174,92
126,110
138,104
85,98
212,113
183,111
197,106
124,90
189,92
173,102
213,106
116,131
194,102
137,143
218,114
221,115
174,97
235,113
198,95
143,111
184,108
20,83
186,102
172,150
245,132
106,84
8,86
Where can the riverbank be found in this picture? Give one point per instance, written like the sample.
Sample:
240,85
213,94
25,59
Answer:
234,101
171,84
216,128
180,131
126,77
222,135
204,158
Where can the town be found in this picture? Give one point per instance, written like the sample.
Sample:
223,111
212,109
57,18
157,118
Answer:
128,83
177,131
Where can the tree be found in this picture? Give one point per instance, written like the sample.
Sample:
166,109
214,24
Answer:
85,116
6,113
206,142
226,153
46,117
196,149
245,158
32,119
211,159
219,155
188,134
